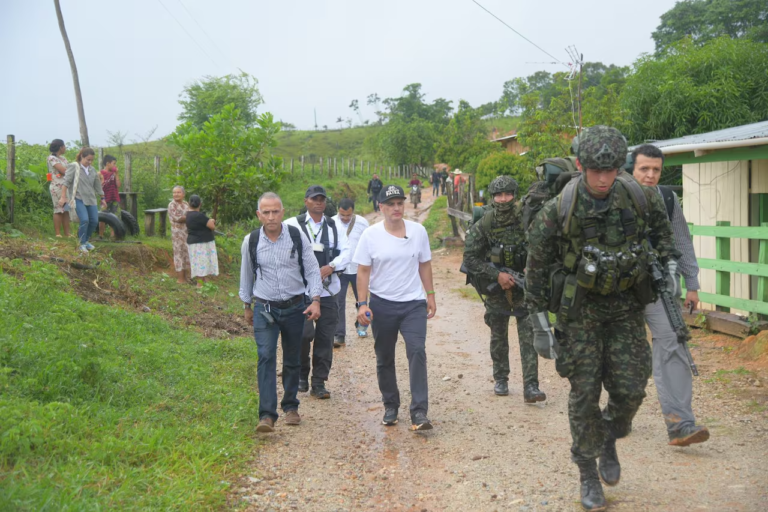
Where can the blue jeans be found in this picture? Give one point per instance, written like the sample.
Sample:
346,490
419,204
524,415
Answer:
289,324
89,220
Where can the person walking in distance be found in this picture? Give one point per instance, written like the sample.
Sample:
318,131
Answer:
671,370
332,254
350,226
394,270
435,179
374,187
278,267
589,253
498,241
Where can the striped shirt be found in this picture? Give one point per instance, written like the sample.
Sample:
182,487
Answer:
687,266
279,275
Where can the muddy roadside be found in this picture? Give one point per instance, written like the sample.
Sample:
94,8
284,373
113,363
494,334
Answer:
496,453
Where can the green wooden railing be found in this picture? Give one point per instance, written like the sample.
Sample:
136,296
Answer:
724,267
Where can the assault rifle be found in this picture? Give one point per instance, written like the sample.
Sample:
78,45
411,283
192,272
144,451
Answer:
493,288
671,308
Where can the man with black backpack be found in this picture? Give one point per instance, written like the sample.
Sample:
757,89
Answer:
276,271
671,371
589,254
332,254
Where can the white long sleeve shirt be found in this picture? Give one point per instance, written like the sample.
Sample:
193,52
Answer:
315,232
354,237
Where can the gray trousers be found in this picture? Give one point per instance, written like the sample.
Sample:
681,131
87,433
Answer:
319,332
410,319
345,280
671,371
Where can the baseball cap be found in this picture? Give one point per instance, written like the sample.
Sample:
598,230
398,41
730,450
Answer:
315,190
391,192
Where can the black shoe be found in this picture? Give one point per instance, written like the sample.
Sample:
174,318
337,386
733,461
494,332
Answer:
610,469
390,417
592,497
320,392
419,421
339,341
501,388
303,385
531,394
689,435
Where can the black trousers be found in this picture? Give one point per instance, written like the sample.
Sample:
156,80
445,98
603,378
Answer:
320,332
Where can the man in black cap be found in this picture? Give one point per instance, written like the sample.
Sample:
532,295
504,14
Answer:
374,187
332,255
395,264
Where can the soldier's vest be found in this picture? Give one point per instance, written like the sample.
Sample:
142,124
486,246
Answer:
602,254
508,245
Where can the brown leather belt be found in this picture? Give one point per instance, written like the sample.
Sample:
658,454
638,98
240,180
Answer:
281,304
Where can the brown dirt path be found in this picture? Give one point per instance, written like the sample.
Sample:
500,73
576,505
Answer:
495,453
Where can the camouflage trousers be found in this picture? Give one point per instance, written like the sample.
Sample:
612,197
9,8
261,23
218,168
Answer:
497,315
605,347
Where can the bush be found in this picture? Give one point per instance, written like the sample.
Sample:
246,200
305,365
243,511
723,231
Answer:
499,164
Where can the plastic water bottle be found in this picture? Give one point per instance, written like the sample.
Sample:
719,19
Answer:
362,330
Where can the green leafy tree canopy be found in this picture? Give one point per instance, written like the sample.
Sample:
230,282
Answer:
500,163
228,163
464,141
205,98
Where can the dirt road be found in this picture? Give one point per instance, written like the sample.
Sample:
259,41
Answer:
495,453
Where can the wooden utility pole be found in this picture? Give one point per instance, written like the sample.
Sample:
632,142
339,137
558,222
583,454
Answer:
581,63
78,95
11,174
157,166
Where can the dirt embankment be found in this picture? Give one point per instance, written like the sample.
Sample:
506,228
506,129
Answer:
491,453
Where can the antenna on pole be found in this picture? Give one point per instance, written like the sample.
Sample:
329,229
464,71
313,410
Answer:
578,60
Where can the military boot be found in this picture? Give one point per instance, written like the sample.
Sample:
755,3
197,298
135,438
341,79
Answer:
592,497
610,469
531,394
501,388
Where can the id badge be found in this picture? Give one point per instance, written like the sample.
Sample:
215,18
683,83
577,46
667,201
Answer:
318,247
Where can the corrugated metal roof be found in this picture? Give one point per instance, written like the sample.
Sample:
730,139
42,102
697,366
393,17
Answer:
513,136
737,133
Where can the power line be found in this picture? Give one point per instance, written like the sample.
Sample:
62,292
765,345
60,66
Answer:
518,33
187,32
206,34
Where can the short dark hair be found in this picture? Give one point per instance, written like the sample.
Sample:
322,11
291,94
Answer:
107,159
195,201
647,150
346,204
56,145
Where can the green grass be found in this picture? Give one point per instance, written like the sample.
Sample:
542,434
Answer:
102,409
347,143
468,293
437,224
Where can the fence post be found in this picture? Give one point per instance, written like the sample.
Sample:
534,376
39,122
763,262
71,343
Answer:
157,166
101,158
722,278
291,165
762,258
302,165
11,174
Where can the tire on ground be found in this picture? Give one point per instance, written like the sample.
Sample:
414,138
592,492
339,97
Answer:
130,223
111,220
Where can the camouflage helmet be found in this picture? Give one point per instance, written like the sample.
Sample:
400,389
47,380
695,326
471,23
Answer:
602,147
502,184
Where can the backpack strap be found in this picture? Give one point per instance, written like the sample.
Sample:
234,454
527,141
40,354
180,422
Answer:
298,247
636,192
669,200
566,204
253,249
351,225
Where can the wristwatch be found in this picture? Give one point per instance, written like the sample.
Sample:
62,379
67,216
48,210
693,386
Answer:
246,305
332,265
361,303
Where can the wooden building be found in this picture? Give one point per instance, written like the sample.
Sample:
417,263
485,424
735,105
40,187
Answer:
725,190
511,144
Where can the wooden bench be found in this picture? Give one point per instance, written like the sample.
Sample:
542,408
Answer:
149,221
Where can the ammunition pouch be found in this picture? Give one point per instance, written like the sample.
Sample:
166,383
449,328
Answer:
643,290
556,286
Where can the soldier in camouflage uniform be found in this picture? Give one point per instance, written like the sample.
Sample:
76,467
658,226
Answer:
499,238
588,252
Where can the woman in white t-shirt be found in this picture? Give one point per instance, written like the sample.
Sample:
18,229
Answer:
395,266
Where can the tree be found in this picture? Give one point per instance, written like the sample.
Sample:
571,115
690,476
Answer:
117,139
464,141
208,97
705,20
500,163
229,163
84,140
373,99
697,89
355,105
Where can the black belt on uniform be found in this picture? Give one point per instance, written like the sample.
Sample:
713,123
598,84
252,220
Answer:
280,304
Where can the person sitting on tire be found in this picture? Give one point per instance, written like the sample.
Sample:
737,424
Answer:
110,183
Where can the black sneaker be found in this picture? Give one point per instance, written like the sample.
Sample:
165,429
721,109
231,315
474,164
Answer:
390,417
303,385
531,394
339,341
501,388
419,421
320,392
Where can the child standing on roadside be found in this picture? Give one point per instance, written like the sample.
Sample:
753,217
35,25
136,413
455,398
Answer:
110,183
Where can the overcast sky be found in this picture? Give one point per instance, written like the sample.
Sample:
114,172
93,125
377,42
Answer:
134,57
